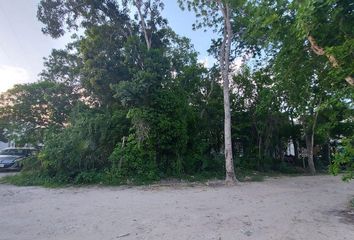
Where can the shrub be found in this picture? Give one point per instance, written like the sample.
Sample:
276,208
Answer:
90,177
344,160
84,146
134,161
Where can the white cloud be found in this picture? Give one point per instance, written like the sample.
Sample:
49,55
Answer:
207,61
237,64
11,75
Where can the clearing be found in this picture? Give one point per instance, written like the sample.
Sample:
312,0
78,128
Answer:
283,208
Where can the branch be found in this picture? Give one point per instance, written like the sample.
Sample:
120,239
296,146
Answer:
229,36
138,5
350,80
316,116
320,51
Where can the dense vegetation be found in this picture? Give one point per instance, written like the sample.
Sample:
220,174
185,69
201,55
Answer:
128,100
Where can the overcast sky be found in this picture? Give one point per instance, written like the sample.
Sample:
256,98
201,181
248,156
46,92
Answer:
23,45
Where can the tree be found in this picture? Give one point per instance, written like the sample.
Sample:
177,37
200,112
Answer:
216,12
287,30
64,66
149,73
29,109
148,12
59,16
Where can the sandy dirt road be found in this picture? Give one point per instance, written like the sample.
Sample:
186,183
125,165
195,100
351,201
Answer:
284,208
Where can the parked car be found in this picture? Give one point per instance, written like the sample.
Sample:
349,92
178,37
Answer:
11,158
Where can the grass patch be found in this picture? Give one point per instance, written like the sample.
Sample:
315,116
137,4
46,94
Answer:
106,178
245,175
32,179
203,177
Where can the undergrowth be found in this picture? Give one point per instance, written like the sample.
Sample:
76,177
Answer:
35,178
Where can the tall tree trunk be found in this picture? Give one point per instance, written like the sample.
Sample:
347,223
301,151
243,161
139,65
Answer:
229,163
309,147
303,163
259,147
310,136
296,149
225,67
328,152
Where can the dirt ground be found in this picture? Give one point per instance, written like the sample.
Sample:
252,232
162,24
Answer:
311,208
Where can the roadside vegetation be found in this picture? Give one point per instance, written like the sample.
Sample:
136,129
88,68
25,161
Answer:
128,102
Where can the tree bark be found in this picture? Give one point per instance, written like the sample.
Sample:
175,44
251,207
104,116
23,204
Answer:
328,152
296,149
303,163
310,135
259,147
225,67
309,146
138,4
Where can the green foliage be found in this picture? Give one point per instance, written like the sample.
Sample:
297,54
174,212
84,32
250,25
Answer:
34,179
28,110
89,177
135,162
330,22
83,146
259,112
112,109
344,159
2,131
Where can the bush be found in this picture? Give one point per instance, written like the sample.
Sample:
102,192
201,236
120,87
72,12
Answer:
83,147
135,161
286,168
31,163
35,178
90,177
344,160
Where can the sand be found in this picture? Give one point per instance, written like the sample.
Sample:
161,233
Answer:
285,208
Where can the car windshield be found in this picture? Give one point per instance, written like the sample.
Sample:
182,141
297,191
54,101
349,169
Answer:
14,151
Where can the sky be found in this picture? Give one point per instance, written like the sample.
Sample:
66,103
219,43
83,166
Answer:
23,45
